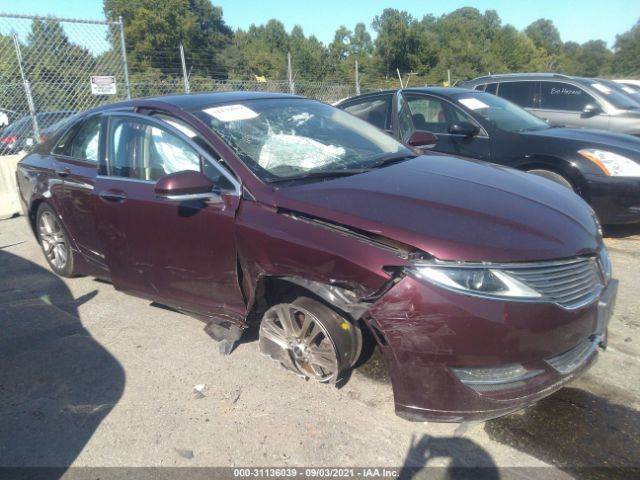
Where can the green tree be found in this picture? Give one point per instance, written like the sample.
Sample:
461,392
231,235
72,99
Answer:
154,30
402,42
545,35
626,61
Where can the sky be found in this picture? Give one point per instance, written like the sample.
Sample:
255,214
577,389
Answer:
576,21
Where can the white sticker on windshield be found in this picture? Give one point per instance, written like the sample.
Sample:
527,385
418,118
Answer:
602,88
231,113
473,103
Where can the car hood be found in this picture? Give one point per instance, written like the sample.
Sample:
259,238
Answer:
454,209
586,138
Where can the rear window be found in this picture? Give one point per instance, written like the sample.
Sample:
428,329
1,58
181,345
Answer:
520,93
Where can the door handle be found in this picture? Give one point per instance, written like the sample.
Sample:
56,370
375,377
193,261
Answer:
116,196
64,172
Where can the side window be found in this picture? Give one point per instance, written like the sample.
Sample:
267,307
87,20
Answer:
520,93
434,115
491,88
208,168
81,141
481,86
85,142
373,111
563,96
144,151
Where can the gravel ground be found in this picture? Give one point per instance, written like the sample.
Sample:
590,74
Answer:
92,377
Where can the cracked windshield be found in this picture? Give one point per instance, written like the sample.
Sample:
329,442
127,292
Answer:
285,140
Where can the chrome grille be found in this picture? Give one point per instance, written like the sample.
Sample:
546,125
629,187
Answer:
571,283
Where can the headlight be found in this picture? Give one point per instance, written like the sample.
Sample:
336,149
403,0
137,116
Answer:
484,282
611,163
605,263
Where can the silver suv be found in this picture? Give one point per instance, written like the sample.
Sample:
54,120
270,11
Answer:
565,100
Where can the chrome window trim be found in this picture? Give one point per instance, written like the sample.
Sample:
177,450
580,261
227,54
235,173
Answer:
173,130
125,179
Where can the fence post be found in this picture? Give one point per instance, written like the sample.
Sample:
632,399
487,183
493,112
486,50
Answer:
292,87
123,49
357,80
27,90
187,88
448,77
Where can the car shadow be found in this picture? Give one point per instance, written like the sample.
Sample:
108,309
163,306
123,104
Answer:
576,431
57,383
466,459
621,231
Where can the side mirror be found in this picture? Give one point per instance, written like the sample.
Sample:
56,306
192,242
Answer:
184,186
591,110
420,138
464,128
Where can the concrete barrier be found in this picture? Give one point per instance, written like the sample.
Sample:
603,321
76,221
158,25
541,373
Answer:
9,200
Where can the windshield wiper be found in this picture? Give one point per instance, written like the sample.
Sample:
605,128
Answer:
389,158
345,172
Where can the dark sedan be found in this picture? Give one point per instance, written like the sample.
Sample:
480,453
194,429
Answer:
602,167
20,136
246,209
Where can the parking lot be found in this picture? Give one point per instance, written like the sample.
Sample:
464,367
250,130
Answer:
93,377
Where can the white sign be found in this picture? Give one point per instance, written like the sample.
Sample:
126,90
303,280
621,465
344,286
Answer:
473,103
103,85
231,113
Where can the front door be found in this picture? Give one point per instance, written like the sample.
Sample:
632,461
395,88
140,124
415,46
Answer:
180,253
563,103
417,111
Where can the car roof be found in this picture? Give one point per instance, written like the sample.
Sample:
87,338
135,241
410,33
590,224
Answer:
520,76
192,101
443,91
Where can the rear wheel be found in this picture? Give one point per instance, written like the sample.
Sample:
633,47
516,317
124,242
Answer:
553,176
54,241
310,339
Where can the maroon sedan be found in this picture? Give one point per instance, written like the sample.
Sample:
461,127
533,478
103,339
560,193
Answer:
485,288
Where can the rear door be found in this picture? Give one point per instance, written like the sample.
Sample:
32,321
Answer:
418,111
563,103
76,155
180,253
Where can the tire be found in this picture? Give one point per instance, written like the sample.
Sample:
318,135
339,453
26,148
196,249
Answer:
310,339
54,241
553,176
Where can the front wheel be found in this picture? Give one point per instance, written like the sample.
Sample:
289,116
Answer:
310,339
553,176
54,241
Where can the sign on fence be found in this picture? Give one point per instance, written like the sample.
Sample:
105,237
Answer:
103,85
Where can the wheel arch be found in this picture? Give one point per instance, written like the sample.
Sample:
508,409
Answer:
559,166
272,289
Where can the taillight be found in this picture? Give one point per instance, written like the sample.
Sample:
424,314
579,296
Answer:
8,140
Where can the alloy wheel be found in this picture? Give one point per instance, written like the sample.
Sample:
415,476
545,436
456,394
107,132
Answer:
309,339
53,240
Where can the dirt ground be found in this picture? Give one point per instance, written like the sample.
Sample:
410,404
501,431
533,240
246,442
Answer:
93,377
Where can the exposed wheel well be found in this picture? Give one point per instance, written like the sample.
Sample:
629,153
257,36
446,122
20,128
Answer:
272,290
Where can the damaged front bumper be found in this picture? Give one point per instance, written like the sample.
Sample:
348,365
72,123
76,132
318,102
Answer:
457,358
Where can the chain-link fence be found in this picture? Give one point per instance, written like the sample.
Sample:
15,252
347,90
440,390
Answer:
52,67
